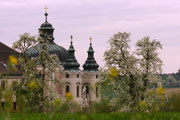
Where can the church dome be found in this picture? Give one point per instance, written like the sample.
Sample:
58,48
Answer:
46,25
53,49
47,28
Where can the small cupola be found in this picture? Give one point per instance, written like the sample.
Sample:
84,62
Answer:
45,30
71,63
90,64
46,27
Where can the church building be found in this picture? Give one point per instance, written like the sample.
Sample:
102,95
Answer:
81,84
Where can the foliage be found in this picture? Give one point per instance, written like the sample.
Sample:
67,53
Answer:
114,116
172,104
7,96
49,64
130,75
33,90
101,107
171,80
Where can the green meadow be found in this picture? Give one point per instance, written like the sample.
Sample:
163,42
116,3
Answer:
103,116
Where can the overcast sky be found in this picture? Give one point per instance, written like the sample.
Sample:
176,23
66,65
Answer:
100,19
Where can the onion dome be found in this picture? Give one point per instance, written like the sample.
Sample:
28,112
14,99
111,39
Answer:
47,28
90,64
71,63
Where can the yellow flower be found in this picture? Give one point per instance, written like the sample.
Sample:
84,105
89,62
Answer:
157,109
13,60
83,117
163,104
142,104
69,96
57,102
33,85
150,92
113,72
160,91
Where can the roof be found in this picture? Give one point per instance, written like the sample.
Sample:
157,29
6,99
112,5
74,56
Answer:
71,63
46,29
6,49
90,64
5,52
53,48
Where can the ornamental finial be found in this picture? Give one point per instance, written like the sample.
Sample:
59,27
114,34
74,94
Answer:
90,40
71,39
46,14
46,8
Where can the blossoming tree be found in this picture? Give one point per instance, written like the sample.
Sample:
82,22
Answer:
34,90
130,74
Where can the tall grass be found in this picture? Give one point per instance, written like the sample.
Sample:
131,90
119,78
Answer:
172,104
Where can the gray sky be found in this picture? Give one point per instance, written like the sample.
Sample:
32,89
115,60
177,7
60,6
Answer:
159,19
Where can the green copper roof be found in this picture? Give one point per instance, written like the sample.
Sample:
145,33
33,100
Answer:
71,62
46,25
90,64
46,28
53,49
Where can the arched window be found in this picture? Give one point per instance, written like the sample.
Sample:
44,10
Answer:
87,91
77,75
14,85
67,89
97,76
2,104
97,91
77,90
14,105
67,75
3,85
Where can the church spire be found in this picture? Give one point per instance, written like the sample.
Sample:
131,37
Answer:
71,62
90,64
46,14
90,41
46,28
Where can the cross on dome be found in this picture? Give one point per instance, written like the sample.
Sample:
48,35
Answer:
71,38
46,14
90,40
46,8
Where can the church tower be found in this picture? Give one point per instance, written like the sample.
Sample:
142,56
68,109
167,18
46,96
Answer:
90,76
47,29
72,75
81,84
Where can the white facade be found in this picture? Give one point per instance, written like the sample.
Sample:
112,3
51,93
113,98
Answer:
83,86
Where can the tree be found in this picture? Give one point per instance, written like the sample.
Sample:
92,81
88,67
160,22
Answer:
49,64
149,62
136,72
33,87
27,87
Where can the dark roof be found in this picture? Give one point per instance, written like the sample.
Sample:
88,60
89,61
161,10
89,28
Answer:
71,63
47,29
53,49
46,25
5,52
6,49
3,68
90,64
9,70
